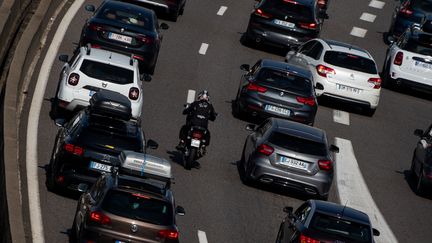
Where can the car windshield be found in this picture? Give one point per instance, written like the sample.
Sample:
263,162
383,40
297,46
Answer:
128,17
284,80
421,45
350,61
298,144
107,72
137,206
352,231
288,8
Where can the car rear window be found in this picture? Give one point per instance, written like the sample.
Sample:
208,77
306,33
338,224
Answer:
350,61
284,80
288,8
138,207
298,144
339,227
128,17
422,5
421,45
107,72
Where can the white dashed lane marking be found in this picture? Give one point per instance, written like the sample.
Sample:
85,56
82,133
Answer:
368,17
222,10
341,117
376,4
203,48
359,32
202,238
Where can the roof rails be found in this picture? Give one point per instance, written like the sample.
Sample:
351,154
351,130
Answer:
88,46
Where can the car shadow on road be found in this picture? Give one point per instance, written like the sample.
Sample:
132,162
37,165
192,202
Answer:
412,180
279,51
422,94
340,105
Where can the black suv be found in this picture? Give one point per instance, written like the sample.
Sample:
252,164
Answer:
285,23
89,144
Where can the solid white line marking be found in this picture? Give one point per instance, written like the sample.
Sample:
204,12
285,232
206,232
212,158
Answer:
341,117
202,238
359,32
203,48
33,125
368,17
376,4
354,192
222,10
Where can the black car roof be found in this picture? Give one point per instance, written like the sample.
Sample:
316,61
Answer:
273,64
340,211
299,130
125,5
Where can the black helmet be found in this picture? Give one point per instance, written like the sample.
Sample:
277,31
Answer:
204,95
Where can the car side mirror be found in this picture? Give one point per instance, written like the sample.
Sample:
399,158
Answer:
180,211
63,58
419,132
289,55
245,67
145,77
60,122
164,26
334,148
390,40
90,8
152,144
82,187
250,127
288,210
375,232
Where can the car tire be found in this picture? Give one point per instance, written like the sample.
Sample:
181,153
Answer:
369,112
237,111
412,169
386,81
419,185
279,234
50,180
174,15
247,179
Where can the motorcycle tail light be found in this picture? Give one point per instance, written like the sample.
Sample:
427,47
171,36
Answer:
197,135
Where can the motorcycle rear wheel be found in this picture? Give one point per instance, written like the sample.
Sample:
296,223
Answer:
189,160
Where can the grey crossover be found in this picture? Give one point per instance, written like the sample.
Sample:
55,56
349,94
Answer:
289,154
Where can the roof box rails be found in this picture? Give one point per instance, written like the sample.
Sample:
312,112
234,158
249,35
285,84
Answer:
111,104
145,166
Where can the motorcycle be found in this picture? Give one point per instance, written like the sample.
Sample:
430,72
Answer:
194,146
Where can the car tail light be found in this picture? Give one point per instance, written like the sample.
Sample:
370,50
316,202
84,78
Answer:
60,179
376,82
96,27
321,3
265,149
145,39
406,11
309,26
99,217
261,13
97,46
168,234
325,164
256,87
197,135
73,79
77,150
306,100
398,58
138,57
323,70
133,93
307,239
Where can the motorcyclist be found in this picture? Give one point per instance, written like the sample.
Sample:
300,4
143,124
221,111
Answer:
198,113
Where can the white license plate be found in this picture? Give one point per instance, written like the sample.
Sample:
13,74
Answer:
278,110
91,93
284,23
293,163
99,166
423,65
122,38
119,241
195,143
348,88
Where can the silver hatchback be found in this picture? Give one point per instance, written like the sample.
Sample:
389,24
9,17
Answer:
289,154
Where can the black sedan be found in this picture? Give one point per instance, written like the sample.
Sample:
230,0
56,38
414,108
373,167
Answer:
320,221
276,89
173,8
125,28
421,165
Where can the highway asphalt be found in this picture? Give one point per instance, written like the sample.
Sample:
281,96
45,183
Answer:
213,196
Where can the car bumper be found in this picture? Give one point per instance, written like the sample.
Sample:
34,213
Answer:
421,82
317,184
257,108
72,180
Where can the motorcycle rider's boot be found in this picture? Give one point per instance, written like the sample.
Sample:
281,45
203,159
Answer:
181,146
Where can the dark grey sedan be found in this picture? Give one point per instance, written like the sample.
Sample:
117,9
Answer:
289,154
421,165
276,89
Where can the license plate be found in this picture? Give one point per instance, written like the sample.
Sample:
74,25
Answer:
348,88
423,65
119,241
195,143
293,163
91,93
99,166
278,110
284,23
122,38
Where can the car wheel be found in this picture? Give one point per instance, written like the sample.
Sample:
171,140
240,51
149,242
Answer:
279,235
386,81
50,180
237,111
247,179
174,15
420,187
412,169
369,111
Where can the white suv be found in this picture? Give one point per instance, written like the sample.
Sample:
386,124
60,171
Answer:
341,71
91,70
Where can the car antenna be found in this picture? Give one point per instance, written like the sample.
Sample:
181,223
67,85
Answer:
110,55
343,209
